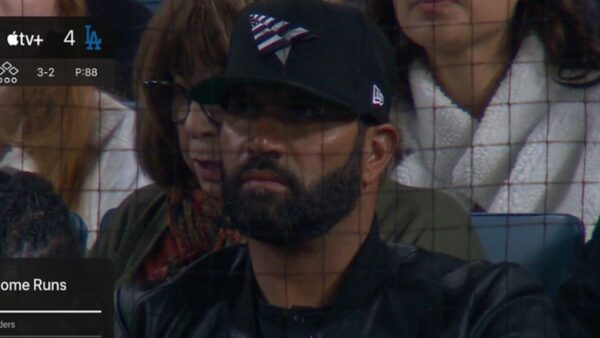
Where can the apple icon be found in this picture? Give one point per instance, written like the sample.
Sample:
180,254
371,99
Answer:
12,39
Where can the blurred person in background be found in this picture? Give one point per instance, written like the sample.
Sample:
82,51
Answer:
164,227
78,138
501,101
34,221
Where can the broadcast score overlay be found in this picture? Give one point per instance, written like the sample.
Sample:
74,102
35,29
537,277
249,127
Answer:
56,51
56,298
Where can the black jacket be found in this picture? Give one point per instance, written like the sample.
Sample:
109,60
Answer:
579,297
390,291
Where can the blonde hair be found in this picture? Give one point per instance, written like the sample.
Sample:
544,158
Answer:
56,126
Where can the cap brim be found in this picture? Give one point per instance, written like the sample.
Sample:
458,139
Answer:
215,90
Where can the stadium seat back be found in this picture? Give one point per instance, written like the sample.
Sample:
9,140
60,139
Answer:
546,245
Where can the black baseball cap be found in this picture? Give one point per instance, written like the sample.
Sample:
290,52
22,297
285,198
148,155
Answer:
330,51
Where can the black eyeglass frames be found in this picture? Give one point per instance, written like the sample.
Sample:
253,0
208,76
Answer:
172,97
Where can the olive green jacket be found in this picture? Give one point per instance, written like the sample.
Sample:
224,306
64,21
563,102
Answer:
429,219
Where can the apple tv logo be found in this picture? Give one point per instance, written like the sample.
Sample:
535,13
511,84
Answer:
23,40
12,39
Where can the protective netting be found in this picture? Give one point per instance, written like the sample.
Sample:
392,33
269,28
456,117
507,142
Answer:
497,112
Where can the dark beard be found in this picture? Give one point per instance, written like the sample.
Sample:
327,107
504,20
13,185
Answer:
302,214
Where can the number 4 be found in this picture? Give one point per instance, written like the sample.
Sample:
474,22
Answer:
70,38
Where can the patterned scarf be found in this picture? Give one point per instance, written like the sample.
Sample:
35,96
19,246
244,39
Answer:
192,232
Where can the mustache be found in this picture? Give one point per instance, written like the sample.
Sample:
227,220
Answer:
266,164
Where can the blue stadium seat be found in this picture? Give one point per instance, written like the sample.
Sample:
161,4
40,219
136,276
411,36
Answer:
546,245
80,230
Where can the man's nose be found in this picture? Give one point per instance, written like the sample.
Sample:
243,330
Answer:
267,137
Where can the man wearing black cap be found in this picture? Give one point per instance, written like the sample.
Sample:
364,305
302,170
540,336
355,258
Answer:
305,139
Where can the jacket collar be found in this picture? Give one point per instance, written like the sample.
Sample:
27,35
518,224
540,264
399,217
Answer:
365,275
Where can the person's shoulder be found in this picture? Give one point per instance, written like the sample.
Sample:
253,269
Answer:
187,298
475,299
142,211
212,278
430,206
149,194
486,299
417,196
219,269
454,274
143,203
410,260
429,218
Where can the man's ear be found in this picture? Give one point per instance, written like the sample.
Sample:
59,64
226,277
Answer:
378,151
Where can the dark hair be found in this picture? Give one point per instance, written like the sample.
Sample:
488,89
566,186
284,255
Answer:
569,30
34,220
181,35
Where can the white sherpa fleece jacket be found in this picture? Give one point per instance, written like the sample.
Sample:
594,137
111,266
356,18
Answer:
537,148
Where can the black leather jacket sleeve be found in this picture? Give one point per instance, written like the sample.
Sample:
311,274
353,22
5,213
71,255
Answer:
501,301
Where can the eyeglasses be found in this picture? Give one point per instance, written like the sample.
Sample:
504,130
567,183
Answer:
168,96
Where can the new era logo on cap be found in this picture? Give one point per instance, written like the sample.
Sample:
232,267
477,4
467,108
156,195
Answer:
377,98
273,35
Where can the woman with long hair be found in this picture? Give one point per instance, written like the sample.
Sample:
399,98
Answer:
165,226
78,138
501,100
